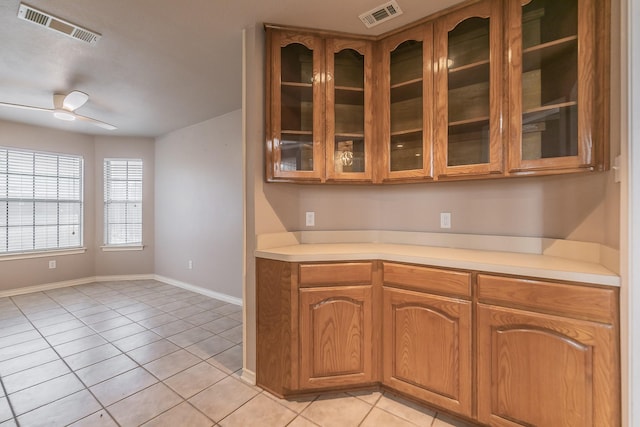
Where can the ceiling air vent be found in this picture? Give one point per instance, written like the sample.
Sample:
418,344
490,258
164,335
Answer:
380,14
46,20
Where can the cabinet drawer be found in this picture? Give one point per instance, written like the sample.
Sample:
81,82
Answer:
347,273
583,302
427,279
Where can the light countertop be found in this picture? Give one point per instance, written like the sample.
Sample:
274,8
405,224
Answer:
540,258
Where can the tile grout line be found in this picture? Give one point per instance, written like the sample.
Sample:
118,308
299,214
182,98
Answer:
65,363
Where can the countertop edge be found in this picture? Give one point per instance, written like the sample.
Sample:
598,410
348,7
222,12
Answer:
530,265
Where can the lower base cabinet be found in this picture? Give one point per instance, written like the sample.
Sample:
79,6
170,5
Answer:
498,350
542,370
336,336
427,348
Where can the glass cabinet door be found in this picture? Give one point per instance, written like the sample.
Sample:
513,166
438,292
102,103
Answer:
551,84
469,99
407,95
296,104
348,109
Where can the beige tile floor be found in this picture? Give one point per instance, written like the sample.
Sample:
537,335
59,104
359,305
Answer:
146,353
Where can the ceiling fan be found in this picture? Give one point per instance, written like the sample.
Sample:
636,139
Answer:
64,107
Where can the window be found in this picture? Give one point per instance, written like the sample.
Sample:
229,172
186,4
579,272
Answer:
122,202
40,201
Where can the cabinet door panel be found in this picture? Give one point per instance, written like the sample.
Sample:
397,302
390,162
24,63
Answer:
468,48
427,348
349,109
295,106
406,88
336,336
539,370
551,78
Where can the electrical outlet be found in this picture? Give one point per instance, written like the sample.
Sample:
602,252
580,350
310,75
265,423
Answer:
445,219
310,219
52,264
190,265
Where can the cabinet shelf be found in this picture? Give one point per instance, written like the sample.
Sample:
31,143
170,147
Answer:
296,84
473,121
533,57
406,132
411,89
469,74
549,107
296,132
346,135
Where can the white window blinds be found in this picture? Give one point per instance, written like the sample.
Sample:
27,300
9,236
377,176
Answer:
40,201
123,202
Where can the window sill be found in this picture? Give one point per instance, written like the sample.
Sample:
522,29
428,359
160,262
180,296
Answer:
122,248
42,254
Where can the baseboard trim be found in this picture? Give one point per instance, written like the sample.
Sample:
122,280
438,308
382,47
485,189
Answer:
149,276
199,290
248,376
46,287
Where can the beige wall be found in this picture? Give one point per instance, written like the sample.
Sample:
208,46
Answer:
21,273
198,205
125,262
578,207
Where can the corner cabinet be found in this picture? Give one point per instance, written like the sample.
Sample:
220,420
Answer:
485,89
319,108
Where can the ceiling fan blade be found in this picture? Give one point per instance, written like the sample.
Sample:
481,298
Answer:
96,122
74,100
24,107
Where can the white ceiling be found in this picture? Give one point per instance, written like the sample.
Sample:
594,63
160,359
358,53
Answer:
160,65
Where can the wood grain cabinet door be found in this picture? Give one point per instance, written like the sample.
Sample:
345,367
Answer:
543,370
336,326
427,348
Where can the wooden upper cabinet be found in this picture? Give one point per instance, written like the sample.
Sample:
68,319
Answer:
295,106
468,51
551,82
490,88
406,88
349,115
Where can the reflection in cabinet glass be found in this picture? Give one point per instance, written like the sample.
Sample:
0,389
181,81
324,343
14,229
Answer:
296,143
468,109
349,111
406,64
549,79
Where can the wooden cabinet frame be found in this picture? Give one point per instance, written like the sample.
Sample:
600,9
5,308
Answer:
491,333
505,98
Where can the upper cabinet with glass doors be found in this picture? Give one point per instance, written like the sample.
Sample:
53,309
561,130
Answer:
551,82
349,102
468,51
295,132
406,93
487,89
319,118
